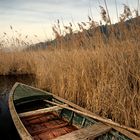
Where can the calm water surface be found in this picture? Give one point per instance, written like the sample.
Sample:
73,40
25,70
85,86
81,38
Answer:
7,128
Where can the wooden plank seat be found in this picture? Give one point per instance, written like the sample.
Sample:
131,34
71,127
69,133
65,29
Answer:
41,111
89,133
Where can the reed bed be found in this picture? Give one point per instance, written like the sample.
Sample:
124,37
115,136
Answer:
105,81
96,70
15,63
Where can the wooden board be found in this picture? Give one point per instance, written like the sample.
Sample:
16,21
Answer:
86,133
47,126
126,133
41,111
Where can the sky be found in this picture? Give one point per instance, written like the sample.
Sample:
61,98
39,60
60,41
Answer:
36,17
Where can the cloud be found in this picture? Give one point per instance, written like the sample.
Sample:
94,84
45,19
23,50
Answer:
38,10
43,12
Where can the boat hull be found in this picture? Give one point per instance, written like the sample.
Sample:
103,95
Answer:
41,115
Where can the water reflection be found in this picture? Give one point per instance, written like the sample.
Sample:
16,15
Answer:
7,128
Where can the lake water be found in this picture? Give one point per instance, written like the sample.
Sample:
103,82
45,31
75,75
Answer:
7,128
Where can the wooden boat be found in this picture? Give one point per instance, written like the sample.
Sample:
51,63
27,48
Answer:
39,115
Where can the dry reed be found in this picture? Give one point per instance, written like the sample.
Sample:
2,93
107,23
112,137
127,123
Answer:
95,69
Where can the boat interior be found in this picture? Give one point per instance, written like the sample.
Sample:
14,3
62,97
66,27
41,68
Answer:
47,121
46,117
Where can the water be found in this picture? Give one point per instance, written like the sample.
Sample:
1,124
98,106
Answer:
7,128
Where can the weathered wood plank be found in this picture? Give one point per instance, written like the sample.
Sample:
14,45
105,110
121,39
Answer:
126,133
42,130
86,133
40,111
23,133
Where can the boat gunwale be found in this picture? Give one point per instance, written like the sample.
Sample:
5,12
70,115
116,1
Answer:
22,131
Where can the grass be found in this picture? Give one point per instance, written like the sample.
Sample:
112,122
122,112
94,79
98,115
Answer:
97,71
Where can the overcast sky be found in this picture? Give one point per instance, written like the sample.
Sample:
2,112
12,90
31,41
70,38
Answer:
37,16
